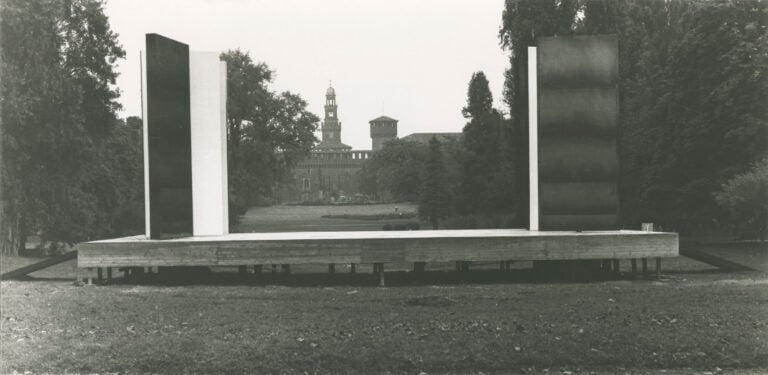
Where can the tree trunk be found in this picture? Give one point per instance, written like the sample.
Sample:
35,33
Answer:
11,237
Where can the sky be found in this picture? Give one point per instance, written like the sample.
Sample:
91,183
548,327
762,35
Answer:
410,60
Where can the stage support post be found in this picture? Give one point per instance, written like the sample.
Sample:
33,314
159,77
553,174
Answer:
381,274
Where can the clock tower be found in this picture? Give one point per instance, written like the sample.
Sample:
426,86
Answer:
331,126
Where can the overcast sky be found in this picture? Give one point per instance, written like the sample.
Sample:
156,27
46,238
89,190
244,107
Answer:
411,60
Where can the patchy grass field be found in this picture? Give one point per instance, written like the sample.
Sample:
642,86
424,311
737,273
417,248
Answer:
694,320
310,218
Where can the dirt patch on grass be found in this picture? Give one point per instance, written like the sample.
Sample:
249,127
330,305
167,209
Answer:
434,301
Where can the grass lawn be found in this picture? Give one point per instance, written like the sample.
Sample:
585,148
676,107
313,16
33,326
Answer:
694,320
310,218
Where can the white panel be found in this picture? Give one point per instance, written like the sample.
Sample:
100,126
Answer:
533,141
143,61
223,119
209,144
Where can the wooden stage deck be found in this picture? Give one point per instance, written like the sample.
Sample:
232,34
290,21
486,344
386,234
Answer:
239,249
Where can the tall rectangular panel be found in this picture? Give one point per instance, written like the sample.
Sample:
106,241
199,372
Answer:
208,77
168,167
534,217
577,120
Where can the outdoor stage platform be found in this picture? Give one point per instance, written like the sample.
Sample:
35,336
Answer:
379,247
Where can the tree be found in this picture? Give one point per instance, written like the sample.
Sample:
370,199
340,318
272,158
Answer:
58,100
745,197
434,198
120,172
486,180
479,98
395,171
268,132
692,76
522,22
292,128
134,122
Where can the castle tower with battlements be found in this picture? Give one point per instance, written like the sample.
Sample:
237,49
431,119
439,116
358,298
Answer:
383,129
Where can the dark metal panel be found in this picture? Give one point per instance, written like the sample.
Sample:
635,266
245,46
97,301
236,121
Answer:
591,112
578,198
580,61
169,137
577,159
578,118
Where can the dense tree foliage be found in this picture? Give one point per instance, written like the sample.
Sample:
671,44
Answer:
395,171
268,132
694,112
479,97
486,174
435,194
476,173
692,86
745,197
58,123
119,170
522,22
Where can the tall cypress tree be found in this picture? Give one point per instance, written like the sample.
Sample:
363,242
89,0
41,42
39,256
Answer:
479,98
485,186
435,197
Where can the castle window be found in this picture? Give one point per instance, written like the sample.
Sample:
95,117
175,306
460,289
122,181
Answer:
330,114
306,184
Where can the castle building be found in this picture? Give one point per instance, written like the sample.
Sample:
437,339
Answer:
383,129
331,171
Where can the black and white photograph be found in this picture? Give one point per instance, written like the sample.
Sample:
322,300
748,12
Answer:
553,187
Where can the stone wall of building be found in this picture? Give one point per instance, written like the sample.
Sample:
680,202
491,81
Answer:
325,176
